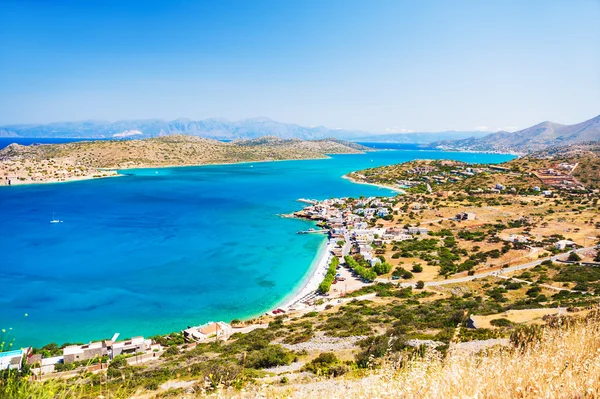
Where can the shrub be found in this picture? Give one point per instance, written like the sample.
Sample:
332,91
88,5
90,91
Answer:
420,285
326,364
502,322
417,268
271,356
382,268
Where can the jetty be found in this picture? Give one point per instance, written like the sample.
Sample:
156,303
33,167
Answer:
308,201
313,231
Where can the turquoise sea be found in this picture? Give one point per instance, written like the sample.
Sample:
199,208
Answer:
160,249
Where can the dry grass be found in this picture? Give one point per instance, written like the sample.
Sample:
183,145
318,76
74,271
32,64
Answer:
565,363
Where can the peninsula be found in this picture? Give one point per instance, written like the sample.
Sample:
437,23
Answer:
94,159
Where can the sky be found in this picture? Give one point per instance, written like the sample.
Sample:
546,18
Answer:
379,66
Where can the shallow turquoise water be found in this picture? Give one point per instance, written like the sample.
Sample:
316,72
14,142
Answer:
155,252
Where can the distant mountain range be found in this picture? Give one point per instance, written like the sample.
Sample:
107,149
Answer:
538,137
535,138
219,129
420,137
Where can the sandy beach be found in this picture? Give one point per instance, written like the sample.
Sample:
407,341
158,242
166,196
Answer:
317,275
396,189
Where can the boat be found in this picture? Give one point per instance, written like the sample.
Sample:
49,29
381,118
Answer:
54,219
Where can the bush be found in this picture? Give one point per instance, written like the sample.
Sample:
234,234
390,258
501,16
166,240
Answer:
326,364
573,257
271,356
502,322
420,285
417,268
382,268
116,366
402,272
533,291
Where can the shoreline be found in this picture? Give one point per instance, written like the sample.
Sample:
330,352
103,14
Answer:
118,174
319,266
313,279
398,190
69,180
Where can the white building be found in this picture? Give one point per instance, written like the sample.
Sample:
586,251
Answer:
375,261
211,330
518,238
12,360
562,244
361,225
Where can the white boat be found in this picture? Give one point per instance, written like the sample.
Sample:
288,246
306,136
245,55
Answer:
54,219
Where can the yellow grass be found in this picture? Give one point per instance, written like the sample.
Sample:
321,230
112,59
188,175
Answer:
516,316
564,364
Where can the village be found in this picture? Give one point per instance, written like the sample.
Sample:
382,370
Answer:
96,355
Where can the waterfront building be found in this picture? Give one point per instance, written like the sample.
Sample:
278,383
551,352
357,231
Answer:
77,353
12,360
211,330
133,345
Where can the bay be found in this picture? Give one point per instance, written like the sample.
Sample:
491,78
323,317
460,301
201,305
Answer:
157,250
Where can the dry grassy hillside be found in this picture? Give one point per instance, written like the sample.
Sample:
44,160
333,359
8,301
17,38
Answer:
60,162
558,362
585,155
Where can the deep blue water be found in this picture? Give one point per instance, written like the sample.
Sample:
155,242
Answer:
160,249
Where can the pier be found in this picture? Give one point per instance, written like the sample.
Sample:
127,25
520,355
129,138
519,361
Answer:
313,231
308,201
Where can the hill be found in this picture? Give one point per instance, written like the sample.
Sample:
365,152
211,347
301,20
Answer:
218,129
535,138
87,159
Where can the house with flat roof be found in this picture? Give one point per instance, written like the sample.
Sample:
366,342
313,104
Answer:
562,244
77,353
133,345
211,330
12,360
465,216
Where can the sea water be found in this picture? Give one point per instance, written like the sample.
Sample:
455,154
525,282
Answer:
157,250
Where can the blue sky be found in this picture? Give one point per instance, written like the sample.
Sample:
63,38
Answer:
372,65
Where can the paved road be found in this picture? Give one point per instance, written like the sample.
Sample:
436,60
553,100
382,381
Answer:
490,273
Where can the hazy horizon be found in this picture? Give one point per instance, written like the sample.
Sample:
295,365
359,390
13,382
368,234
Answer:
381,67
